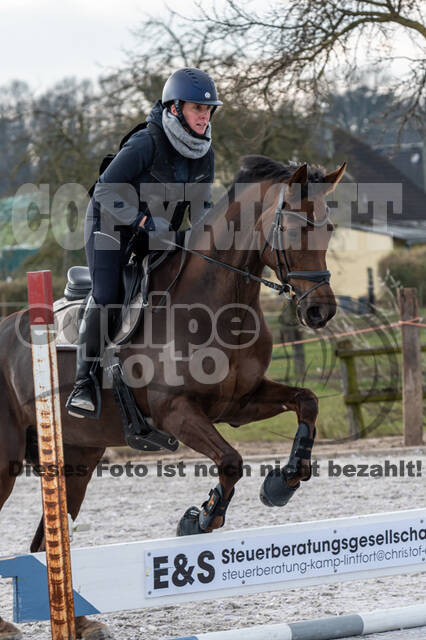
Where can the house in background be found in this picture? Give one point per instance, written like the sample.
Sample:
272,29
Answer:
357,244
409,158
12,254
352,251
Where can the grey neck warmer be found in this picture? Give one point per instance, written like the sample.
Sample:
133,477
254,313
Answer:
181,140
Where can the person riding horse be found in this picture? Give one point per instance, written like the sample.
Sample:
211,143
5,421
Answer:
174,147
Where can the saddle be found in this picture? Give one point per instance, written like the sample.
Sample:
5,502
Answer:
140,433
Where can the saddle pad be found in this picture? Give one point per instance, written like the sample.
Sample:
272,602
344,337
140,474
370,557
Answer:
67,316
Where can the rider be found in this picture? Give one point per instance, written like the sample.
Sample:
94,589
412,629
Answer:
175,147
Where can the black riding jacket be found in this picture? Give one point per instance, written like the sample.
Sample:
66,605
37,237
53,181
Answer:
150,164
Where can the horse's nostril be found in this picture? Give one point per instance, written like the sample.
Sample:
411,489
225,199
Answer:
314,314
317,315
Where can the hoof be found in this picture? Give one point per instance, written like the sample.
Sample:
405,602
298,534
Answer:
92,630
8,631
189,524
275,492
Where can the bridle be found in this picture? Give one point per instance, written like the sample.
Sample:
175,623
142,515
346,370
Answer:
276,231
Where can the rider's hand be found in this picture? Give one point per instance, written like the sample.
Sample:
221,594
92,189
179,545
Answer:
156,226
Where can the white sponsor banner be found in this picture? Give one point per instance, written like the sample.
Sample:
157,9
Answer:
283,557
169,571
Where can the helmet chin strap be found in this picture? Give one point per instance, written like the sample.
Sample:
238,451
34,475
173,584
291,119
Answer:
185,125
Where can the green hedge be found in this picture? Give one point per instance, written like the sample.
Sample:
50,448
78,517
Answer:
406,268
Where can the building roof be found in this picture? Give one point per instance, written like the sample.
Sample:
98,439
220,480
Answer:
365,165
409,158
410,234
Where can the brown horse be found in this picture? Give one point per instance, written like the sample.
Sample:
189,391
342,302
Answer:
211,368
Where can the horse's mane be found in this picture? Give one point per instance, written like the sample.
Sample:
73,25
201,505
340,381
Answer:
255,168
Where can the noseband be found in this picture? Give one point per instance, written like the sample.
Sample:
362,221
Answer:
276,233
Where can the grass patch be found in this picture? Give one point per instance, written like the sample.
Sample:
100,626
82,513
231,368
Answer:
323,376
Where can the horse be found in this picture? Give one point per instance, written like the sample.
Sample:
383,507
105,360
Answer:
222,382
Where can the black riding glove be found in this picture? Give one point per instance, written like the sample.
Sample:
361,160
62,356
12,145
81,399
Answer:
156,227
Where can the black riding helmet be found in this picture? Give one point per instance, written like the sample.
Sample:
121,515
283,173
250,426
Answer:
190,85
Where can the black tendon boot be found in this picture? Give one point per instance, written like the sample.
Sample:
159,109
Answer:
82,400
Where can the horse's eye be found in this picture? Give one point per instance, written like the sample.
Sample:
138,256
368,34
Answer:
330,227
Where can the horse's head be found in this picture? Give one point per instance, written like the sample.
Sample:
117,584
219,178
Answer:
295,233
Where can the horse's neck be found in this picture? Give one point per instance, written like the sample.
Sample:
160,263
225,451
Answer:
226,234
230,231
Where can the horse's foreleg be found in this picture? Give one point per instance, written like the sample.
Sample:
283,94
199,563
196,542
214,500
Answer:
81,462
270,399
190,425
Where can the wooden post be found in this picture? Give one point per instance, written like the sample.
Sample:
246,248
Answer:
371,295
3,306
299,358
290,332
350,387
49,433
412,391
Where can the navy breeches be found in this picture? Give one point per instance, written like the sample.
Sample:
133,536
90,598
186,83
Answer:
106,252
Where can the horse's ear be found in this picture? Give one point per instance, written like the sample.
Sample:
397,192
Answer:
332,179
300,176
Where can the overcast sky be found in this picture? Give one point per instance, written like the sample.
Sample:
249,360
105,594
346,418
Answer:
44,41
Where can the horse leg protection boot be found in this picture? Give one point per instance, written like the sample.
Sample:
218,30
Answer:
196,520
275,490
215,506
82,400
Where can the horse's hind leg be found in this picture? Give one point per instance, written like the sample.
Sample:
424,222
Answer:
11,451
81,463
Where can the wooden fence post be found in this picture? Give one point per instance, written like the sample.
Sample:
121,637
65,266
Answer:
290,332
412,390
350,387
49,432
3,306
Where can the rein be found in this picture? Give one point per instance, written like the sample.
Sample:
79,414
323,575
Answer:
281,288
276,231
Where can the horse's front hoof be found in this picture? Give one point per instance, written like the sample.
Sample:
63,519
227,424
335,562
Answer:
189,524
8,631
275,490
92,630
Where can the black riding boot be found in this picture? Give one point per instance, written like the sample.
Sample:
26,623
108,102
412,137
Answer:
82,400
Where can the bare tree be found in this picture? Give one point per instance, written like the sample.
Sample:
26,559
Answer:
244,126
303,45
15,165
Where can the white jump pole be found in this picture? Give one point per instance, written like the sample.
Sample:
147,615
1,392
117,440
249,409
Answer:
332,628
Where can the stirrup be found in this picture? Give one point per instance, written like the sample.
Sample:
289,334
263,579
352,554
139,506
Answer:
80,412
138,433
